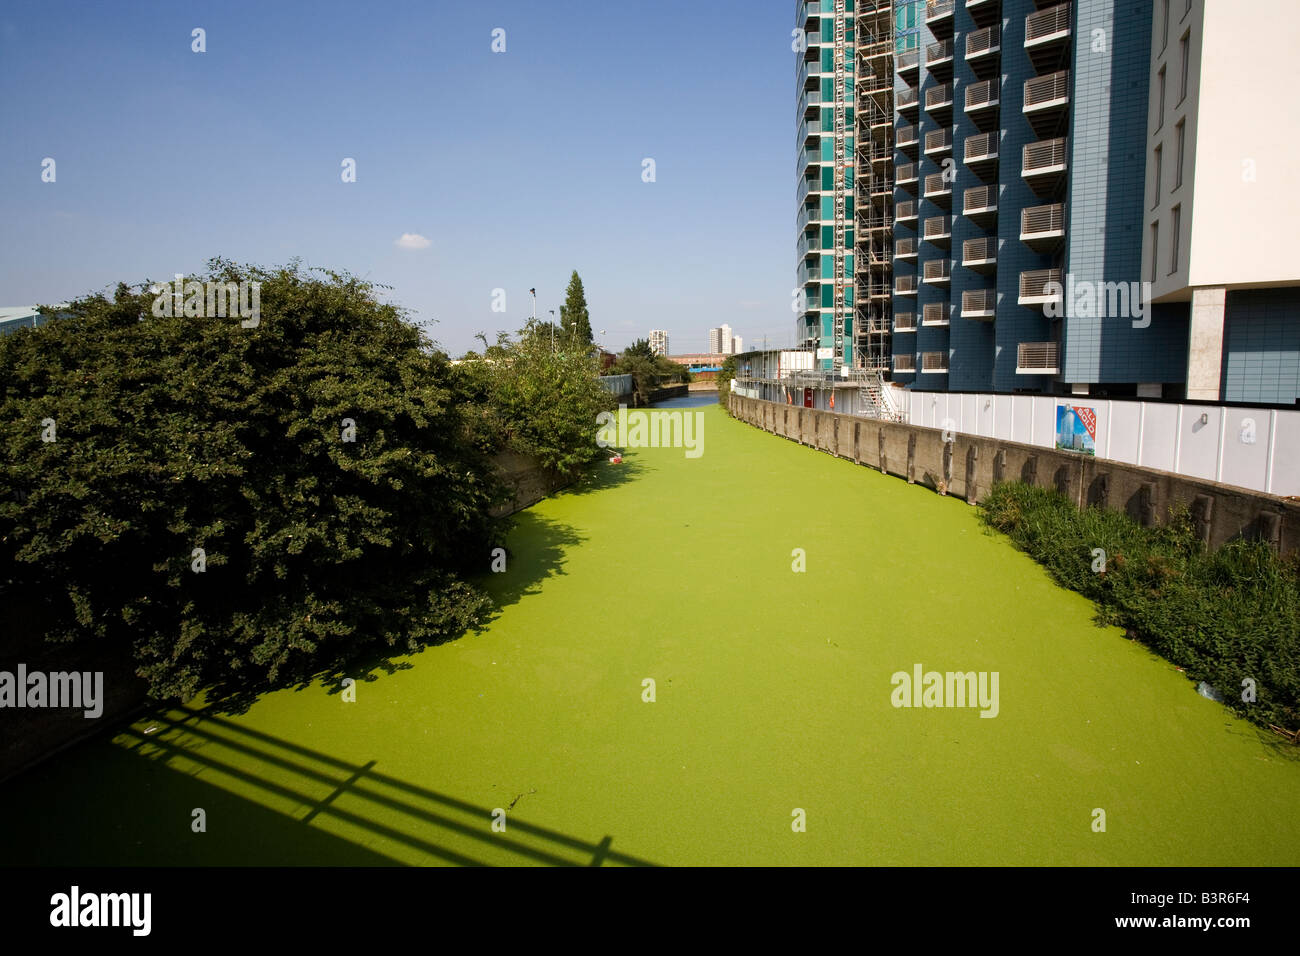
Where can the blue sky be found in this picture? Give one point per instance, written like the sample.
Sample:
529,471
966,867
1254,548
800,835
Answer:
517,167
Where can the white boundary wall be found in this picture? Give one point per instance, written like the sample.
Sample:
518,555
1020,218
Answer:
1170,437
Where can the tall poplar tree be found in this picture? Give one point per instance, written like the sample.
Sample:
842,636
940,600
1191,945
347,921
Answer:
573,314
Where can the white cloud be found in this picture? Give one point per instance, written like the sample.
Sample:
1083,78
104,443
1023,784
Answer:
413,240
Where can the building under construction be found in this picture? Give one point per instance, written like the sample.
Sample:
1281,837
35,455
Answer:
846,181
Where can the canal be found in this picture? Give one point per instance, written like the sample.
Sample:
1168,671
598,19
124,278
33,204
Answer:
691,656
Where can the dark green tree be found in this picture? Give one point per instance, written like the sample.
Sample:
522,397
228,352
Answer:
639,347
241,507
573,314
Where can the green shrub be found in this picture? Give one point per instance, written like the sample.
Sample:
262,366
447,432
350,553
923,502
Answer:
537,398
184,433
1223,616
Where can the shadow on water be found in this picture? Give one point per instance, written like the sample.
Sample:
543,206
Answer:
151,785
535,550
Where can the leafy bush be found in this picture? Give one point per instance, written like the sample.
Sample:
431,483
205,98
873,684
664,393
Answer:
1223,616
725,375
538,399
181,433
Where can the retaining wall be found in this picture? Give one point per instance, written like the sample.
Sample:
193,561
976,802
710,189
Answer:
967,466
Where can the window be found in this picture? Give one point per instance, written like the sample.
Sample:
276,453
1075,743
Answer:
1182,139
1185,50
1157,161
1173,239
1164,25
1160,101
1155,249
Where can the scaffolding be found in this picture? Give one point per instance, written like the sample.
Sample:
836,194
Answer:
875,187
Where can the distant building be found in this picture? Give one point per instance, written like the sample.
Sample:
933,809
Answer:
721,341
13,318
658,341
737,345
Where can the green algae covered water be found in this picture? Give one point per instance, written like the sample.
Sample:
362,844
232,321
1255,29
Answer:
772,737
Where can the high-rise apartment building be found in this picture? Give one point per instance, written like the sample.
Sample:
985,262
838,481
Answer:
658,341
1087,197
737,345
844,157
720,340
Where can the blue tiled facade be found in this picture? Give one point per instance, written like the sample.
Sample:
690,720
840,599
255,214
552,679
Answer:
1105,217
1261,346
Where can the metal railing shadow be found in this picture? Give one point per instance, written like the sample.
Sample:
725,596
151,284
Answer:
306,767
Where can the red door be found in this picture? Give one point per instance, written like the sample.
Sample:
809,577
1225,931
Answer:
807,398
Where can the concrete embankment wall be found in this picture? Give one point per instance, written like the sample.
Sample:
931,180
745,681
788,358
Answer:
669,391
968,466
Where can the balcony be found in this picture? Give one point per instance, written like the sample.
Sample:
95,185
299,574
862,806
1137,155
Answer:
938,142
937,272
807,216
905,285
938,189
980,205
809,10
982,101
980,153
904,363
905,249
938,59
934,313
938,230
808,273
908,62
938,11
1040,287
935,363
808,133
980,304
905,212
809,103
982,51
1047,34
806,186
1042,228
1046,99
807,158
906,139
938,101
805,76
1043,165
1038,358
980,255
905,175
984,12
907,100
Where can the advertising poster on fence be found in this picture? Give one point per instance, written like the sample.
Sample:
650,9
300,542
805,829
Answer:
1076,428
